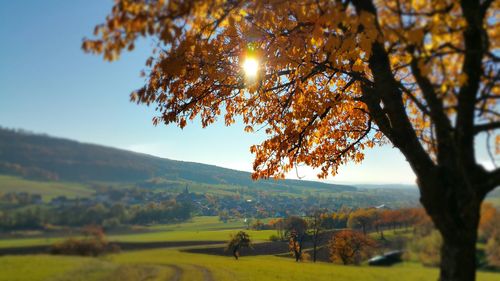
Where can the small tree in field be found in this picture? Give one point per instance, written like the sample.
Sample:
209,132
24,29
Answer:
296,231
315,229
237,242
350,247
326,79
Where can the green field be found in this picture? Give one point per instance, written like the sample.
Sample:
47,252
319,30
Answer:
48,190
198,229
174,264
171,264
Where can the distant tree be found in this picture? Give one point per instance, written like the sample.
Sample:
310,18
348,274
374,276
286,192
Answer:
378,223
296,232
223,216
237,242
258,225
350,247
279,225
361,218
315,229
336,220
248,222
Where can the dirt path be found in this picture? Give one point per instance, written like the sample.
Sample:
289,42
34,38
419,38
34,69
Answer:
177,272
207,274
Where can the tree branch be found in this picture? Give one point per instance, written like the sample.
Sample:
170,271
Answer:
486,127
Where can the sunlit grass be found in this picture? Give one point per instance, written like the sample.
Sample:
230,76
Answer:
158,262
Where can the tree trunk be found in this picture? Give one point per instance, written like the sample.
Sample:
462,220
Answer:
458,258
455,213
314,249
236,252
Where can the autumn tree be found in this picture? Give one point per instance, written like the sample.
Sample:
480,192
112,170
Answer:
279,225
336,220
362,218
326,79
296,232
350,247
237,242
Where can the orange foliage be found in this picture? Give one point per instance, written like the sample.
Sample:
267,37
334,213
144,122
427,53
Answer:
312,91
350,247
490,221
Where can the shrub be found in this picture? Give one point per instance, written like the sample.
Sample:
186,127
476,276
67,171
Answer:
93,244
274,238
80,247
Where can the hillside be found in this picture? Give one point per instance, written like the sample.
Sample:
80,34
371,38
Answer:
43,157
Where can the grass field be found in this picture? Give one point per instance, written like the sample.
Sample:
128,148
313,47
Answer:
162,264
48,190
198,229
175,265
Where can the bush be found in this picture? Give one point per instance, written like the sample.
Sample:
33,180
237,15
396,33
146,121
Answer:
274,238
93,244
80,247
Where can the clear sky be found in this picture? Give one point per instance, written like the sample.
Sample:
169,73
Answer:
48,85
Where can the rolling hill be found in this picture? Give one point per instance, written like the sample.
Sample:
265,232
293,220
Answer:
42,157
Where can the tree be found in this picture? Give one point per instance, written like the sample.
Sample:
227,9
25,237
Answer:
363,218
315,230
327,79
279,225
237,242
350,247
296,232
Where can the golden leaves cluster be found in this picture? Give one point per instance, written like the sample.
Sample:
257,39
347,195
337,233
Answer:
313,58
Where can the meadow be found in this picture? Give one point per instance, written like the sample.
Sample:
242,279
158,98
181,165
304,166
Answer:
172,264
176,265
47,189
203,228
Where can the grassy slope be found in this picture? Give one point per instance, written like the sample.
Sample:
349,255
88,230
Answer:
159,263
48,190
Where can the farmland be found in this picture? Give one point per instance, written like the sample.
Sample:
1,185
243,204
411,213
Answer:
172,264
198,229
175,263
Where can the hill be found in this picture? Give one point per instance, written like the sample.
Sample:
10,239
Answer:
43,157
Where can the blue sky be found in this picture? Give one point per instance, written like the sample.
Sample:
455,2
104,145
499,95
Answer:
48,85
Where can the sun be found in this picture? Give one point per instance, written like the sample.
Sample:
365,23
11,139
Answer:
251,67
